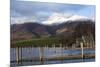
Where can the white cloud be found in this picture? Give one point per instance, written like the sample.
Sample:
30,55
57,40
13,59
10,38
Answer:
20,20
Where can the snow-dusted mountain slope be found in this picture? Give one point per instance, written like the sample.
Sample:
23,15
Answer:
60,18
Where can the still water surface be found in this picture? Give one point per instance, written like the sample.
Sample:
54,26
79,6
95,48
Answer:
49,52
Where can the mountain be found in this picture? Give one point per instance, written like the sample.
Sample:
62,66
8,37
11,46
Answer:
28,30
59,18
55,19
74,26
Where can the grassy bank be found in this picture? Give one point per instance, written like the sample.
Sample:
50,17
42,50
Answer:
38,42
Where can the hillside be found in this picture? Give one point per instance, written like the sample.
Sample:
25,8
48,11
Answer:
31,30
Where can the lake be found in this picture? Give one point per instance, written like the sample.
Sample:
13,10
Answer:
31,53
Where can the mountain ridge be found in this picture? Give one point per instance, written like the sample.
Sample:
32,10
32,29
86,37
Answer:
59,18
31,30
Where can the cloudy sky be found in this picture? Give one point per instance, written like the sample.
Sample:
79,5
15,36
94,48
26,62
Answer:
22,11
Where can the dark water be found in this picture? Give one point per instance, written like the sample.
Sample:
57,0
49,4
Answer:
49,52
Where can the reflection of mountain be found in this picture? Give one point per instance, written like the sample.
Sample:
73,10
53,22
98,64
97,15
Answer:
68,28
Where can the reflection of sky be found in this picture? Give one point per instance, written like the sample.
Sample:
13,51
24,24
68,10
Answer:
41,11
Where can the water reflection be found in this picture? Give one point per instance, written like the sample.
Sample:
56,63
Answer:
31,53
